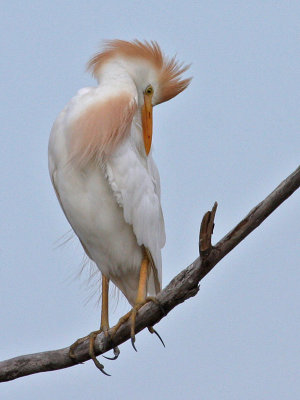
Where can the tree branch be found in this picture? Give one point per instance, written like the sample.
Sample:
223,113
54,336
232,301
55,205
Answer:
182,287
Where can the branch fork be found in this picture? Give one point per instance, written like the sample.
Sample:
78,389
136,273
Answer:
206,231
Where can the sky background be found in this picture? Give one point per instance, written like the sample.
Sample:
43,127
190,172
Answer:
232,136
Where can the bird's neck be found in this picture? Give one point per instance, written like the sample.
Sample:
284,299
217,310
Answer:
115,76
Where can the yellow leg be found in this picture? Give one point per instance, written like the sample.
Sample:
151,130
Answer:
142,288
104,327
141,300
104,305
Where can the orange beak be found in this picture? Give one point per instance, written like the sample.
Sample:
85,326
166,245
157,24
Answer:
147,122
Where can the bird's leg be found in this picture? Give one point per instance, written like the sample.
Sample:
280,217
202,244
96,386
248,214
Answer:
104,327
141,297
104,306
141,300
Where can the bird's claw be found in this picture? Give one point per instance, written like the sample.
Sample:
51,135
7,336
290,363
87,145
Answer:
152,330
132,342
116,354
99,365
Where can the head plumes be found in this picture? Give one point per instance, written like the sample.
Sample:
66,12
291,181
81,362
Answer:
168,71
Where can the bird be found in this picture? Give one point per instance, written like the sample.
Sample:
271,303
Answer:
104,175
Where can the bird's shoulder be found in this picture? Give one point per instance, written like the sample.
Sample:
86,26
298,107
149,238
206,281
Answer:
89,97
94,122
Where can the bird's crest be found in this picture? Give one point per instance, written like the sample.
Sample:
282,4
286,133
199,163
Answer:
169,70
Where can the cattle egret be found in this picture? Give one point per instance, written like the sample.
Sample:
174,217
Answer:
104,176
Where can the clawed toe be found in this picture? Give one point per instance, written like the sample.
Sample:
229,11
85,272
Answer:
116,351
132,316
74,346
152,330
92,337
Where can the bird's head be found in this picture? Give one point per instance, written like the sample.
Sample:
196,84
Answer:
156,78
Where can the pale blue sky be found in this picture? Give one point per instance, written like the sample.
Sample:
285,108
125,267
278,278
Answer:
232,136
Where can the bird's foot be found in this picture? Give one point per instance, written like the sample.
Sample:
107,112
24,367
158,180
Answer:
92,337
132,316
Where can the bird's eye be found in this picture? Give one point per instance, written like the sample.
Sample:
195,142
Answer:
149,90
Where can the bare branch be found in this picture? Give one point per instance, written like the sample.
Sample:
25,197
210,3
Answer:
182,287
206,231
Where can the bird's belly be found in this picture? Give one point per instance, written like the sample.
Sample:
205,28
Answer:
99,223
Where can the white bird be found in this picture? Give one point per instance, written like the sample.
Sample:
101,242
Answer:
103,173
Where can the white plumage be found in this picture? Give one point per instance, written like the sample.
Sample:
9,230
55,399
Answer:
106,183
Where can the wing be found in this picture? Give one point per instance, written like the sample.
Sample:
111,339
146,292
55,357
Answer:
136,186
